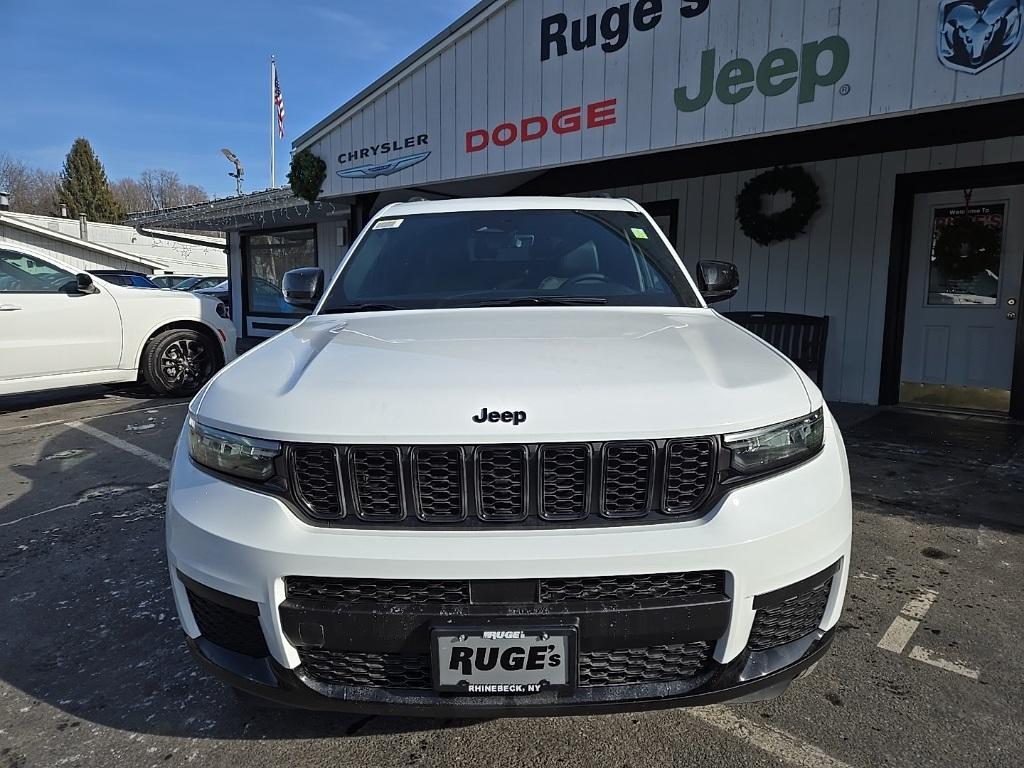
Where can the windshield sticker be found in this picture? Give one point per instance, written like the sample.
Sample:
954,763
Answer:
639,234
388,224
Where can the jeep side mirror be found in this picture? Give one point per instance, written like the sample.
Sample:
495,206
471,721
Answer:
303,287
717,280
84,284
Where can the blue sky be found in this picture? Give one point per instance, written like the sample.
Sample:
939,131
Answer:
167,84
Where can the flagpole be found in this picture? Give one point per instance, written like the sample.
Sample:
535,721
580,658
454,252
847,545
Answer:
273,169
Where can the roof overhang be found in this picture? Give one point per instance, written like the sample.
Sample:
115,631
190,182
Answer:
259,210
18,223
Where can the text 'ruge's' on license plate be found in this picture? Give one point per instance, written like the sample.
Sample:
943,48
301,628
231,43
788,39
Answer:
503,661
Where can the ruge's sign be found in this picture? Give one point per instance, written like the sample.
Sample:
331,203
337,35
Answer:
613,25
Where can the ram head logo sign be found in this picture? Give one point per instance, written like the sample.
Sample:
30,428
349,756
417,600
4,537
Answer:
975,34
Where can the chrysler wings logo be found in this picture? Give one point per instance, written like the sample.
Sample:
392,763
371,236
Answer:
384,169
975,34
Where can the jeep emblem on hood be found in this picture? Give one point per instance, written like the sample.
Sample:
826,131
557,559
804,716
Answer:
509,417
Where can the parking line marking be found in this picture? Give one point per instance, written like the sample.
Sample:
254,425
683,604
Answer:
65,422
918,607
923,654
902,629
898,635
767,738
117,442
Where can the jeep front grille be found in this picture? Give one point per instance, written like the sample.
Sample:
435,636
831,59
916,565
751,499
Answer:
531,485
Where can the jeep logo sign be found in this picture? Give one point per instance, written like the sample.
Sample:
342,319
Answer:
818,65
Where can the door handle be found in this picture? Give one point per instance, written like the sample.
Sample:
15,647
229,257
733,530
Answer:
8,308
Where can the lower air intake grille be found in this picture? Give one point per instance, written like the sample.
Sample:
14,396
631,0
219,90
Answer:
645,586
629,666
230,629
378,591
367,670
659,663
791,620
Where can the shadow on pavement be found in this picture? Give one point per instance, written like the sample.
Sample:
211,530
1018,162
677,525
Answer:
71,395
968,469
89,626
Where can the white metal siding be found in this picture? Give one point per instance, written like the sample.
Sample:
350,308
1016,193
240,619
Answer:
838,268
175,256
491,72
75,256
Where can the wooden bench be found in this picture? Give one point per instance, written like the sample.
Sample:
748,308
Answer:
801,338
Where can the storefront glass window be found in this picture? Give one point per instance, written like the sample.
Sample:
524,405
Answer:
269,256
967,245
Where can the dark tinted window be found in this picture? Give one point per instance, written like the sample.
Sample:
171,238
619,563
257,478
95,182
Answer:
465,259
20,273
269,256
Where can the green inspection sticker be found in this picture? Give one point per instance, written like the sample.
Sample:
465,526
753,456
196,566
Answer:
639,234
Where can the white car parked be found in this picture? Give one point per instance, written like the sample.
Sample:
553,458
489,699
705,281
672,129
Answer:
512,464
62,329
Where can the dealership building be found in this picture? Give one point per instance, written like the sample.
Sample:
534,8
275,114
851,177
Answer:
906,117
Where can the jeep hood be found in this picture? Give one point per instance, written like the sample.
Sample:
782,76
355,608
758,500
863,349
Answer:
579,373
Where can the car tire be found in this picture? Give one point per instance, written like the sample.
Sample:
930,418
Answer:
178,362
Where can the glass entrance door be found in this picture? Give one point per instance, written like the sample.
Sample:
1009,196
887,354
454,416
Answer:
963,298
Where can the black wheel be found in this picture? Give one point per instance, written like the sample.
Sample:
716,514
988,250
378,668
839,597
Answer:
178,362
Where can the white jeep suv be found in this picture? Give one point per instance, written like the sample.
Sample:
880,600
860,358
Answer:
62,329
511,464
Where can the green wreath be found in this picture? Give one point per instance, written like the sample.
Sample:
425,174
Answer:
307,175
966,247
785,225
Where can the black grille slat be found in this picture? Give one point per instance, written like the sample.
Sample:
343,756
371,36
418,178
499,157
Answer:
238,632
315,470
628,479
501,479
689,473
377,483
379,591
535,485
367,670
657,586
791,620
631,666
565,481
439,484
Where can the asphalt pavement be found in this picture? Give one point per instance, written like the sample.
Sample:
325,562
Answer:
927,668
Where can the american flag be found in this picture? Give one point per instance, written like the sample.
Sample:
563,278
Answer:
279,104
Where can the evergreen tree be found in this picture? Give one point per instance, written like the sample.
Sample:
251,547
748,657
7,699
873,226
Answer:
84,188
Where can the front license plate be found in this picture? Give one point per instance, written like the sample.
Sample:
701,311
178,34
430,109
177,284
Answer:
502,661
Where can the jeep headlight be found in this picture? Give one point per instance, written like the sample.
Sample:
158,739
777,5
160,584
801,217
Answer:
777,446
247,457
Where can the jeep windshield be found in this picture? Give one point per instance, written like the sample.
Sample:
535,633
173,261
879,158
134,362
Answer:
510,258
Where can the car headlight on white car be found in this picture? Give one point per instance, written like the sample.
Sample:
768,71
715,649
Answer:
246,457
764,450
